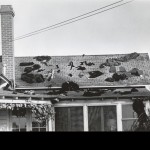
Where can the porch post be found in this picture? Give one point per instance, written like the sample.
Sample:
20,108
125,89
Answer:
51,124
85,116
119,117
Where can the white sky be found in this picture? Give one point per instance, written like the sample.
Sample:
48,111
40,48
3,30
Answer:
121,30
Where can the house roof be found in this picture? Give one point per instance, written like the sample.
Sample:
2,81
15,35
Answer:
77,69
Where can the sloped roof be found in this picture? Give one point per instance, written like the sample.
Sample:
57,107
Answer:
63,71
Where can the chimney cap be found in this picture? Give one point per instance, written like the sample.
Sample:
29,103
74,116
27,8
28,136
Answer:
6,9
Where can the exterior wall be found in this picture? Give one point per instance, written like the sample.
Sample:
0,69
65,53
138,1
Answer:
124,117
7,37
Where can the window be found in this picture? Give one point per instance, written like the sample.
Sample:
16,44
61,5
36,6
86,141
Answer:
26,122
69,119
128,117
102,118
96,118
19,122
36,126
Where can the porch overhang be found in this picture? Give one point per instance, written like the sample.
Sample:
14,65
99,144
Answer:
8,97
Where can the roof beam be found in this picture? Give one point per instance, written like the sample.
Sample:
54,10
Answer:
24,101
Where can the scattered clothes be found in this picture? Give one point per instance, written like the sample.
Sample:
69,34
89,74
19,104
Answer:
122,69
40,70
45,63
57,66
136,72
102,65
122,92
31,92
63,94
81,68
134,90
109,79
81,63
128,74
14,92
50,75
94,74
93,93
42,58
28,69
112,69
117,92
128,57
36,66
125,92
39,78
70,75
117,61
26,64
89,64
71,65
58,71
31,78
119,76
54,93
81,75
69,86
112,62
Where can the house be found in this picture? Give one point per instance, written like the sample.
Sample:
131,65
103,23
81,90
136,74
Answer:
69,93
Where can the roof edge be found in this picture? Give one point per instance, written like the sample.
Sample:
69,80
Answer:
80,55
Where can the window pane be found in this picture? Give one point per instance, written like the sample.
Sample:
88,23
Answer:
19,120
15,122
35,129
127,111
102,118
43,129
22,129
3,120
36,125
43,124
127,124
69,119
127,114
15,130
23,122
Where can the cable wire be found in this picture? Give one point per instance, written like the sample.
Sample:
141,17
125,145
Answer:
68,20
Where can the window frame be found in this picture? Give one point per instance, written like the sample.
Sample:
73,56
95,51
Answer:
85,106
28,121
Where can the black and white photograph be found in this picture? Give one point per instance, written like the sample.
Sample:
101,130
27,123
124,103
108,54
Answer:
74,65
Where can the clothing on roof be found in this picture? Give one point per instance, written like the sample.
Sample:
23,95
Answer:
82,79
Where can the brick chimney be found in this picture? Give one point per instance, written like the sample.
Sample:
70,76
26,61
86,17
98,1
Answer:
6,40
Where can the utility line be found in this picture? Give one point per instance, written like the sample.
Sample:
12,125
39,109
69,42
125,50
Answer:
61,23
68,20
